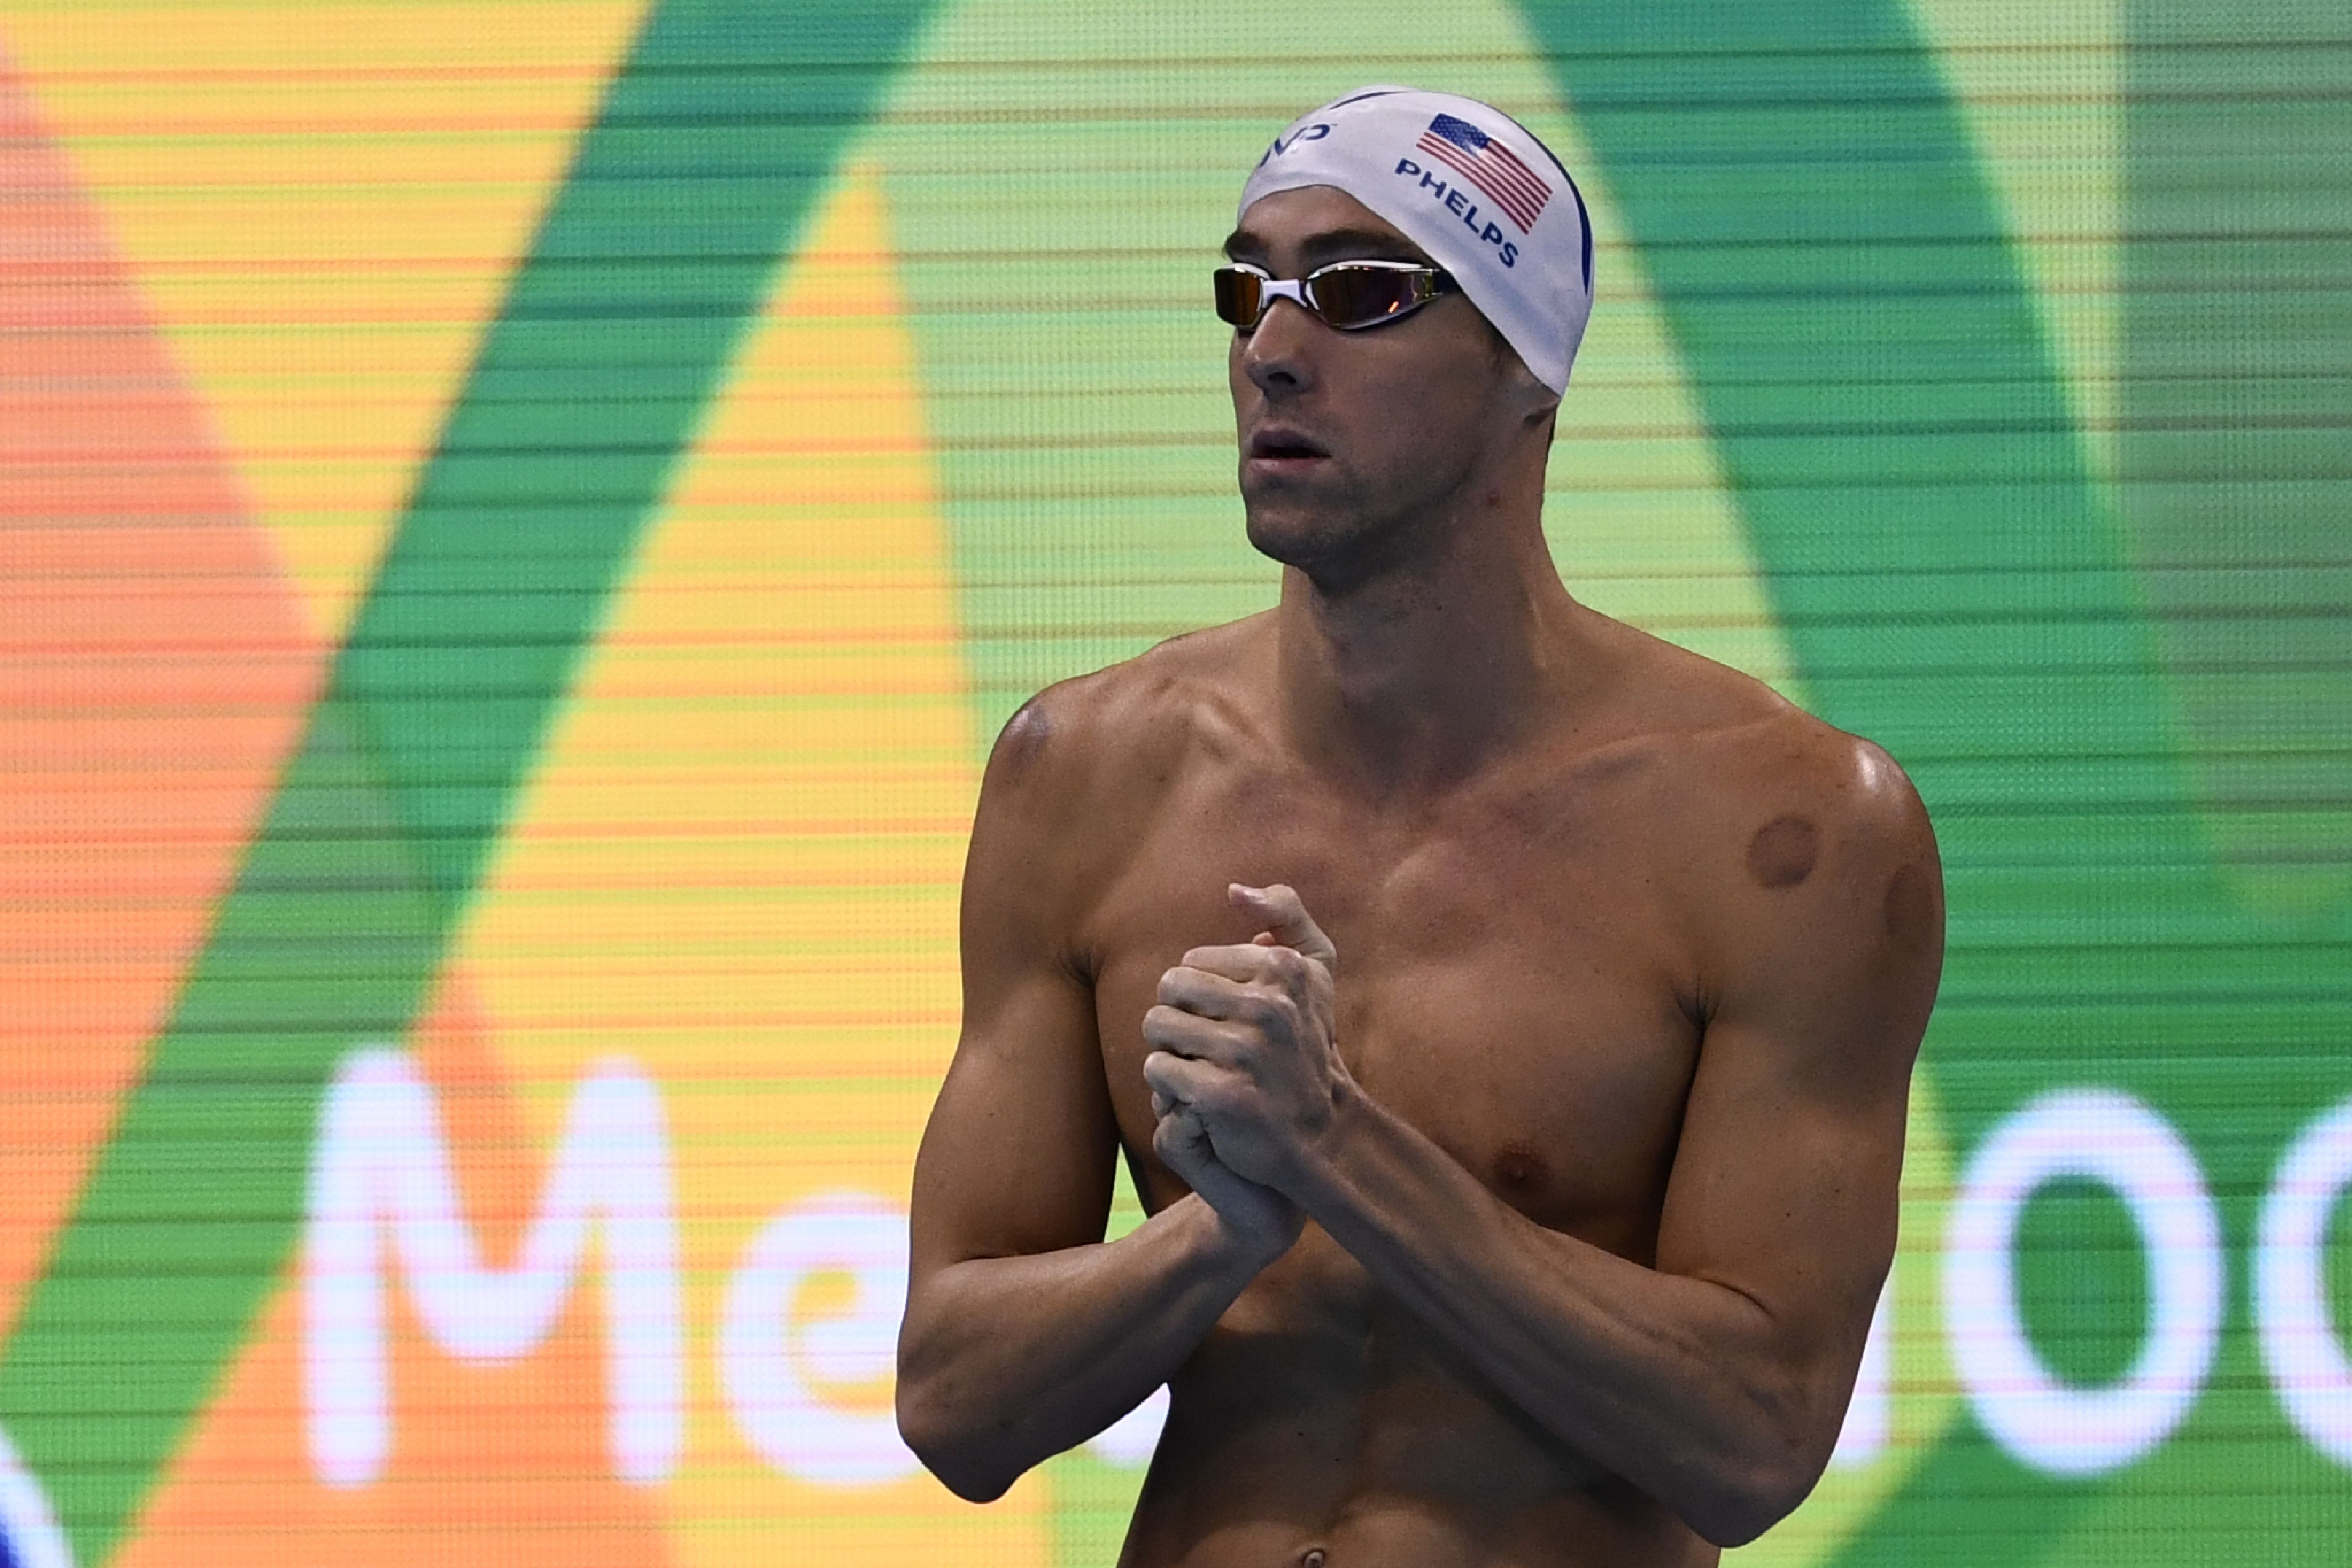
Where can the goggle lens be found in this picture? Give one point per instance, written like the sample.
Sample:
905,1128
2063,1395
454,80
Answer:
1240,300
1347,294
1359,295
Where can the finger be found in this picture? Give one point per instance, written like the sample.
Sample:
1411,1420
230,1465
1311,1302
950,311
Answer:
1183,1144
1287,919
1179,1033
1206,993
1180,1079
1241,960
1250,983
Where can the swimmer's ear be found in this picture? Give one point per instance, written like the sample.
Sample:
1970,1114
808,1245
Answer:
1538,405
1533,402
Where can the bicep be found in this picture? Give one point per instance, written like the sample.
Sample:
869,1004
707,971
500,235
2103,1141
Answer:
1784,1188
1017,1157
1785,1182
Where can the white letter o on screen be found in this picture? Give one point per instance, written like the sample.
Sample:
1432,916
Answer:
2300,1348
764,1362
2112,1138
29,1528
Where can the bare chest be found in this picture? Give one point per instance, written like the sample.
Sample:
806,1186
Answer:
1510,982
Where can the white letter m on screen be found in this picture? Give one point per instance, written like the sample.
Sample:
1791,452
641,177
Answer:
380,1165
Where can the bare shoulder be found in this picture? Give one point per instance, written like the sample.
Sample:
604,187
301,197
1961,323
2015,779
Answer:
1789,840
1795,777
1736,755
1099,737
1080,767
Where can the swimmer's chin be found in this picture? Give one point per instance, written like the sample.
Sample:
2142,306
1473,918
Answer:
1334,552
1297,538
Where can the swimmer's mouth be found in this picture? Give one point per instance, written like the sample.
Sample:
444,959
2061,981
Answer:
1285,446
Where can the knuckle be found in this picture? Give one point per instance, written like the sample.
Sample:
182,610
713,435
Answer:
1274,1012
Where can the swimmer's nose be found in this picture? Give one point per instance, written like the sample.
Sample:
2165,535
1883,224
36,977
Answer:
1276,355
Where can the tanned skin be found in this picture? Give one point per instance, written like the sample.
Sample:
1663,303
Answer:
1507,1017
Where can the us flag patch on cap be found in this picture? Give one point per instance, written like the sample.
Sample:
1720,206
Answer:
1489,165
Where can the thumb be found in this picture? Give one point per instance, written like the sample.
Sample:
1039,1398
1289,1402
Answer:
1286,920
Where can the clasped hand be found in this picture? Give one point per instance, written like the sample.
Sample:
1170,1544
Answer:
1244,1069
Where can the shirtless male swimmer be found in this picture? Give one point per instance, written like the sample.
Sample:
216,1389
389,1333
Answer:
1507,1016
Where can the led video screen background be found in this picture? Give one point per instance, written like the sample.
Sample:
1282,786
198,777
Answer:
521,518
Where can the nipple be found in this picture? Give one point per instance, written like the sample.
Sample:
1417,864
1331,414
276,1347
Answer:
1311,1558
1519,1169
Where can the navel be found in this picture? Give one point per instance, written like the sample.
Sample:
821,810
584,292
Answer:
1782,853
1913,919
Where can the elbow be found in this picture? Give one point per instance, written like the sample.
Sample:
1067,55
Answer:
1761,1485
1738,1512
965,1462
971,1482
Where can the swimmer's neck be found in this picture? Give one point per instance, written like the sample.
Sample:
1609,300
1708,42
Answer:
1412,677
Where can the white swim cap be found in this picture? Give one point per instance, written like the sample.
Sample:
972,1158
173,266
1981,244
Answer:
1471,186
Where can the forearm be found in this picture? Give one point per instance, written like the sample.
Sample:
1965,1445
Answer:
1676,1384
1006,1362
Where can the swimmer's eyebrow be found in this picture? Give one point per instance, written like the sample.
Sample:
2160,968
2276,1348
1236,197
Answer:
1360,245
1331,244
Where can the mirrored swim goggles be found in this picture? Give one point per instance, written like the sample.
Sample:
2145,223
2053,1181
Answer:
1348,295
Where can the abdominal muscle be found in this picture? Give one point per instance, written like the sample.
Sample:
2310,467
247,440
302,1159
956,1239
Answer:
1320,1426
